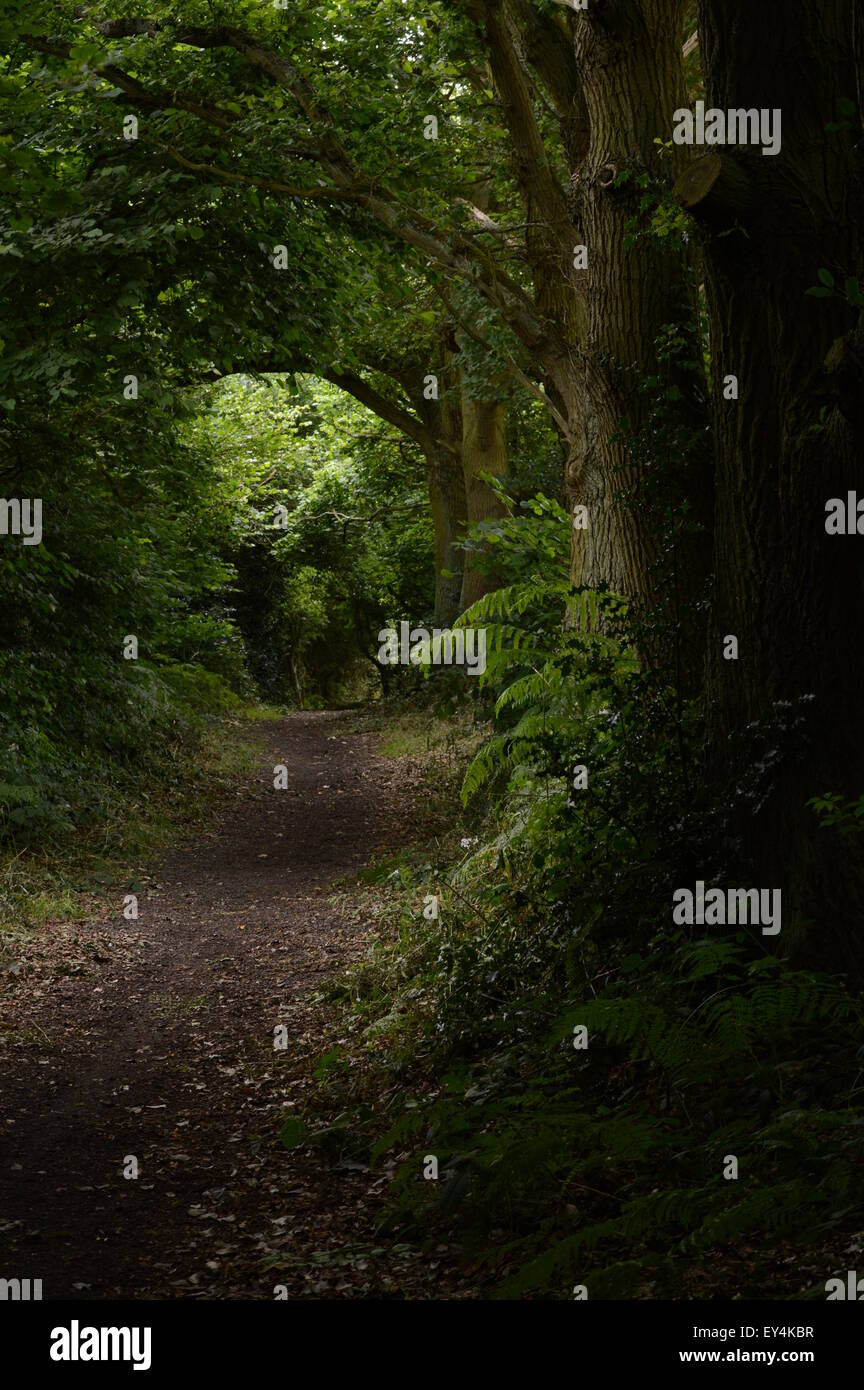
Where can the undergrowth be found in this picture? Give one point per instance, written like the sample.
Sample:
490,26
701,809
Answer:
611,1100
122,812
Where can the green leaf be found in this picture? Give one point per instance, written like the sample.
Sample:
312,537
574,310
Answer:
293,1132
86,52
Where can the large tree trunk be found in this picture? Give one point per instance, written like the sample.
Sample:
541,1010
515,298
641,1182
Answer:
449,510
614,74
629,57
790,593
484,450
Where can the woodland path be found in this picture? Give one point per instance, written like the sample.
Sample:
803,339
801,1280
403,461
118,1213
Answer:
154,1038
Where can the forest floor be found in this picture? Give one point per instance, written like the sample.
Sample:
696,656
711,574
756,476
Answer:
154,1039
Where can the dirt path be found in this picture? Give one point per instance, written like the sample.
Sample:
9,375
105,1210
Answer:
155,1039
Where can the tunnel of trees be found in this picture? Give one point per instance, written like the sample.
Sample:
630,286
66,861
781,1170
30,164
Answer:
320,318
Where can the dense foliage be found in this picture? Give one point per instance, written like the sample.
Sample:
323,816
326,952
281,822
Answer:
602,1159
281,361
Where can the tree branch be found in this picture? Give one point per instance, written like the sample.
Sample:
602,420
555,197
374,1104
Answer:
486,224
455,253
370,516
549,52
532,169
141,95
364,392
714,184
512,366
246,180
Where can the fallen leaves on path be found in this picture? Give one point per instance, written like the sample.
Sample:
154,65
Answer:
153,1040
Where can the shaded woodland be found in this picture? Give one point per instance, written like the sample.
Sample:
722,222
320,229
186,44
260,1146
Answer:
323,318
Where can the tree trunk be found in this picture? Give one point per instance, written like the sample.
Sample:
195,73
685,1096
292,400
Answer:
294,665
629,58
447,499
484,450
442,418
614,76
789,592
435,426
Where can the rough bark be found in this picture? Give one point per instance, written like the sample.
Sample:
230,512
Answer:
614,76
631,71
790,593
484,450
